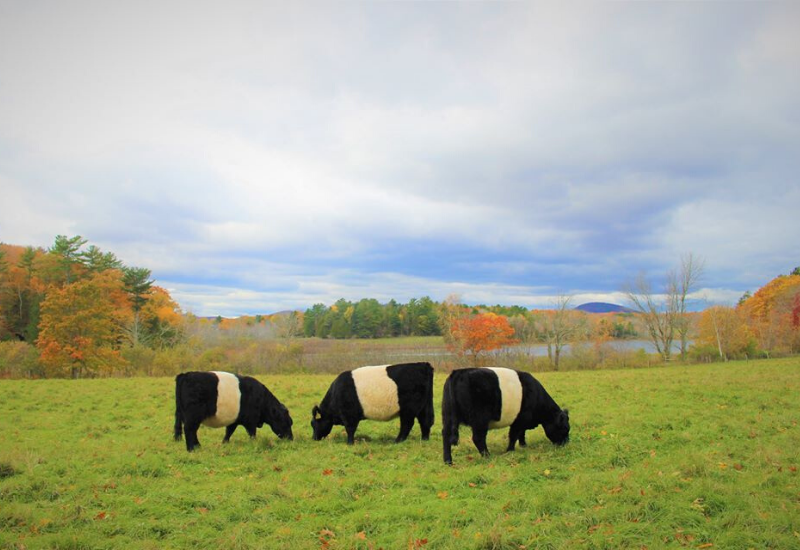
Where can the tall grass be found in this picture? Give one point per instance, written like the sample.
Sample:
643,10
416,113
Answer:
313,355
660,458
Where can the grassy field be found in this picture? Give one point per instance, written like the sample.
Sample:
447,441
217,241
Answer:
695,457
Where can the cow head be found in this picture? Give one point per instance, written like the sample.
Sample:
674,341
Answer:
279,420
557,430
320,423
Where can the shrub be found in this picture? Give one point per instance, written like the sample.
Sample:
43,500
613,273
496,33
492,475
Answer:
20,360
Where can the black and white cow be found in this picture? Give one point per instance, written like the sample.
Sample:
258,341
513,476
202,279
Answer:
225,400
377,393
491,398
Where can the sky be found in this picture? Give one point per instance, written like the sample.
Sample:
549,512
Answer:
264,156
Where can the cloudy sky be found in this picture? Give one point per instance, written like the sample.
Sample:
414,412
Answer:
264,156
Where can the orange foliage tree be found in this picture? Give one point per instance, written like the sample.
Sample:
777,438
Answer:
81,327
473,335
770,314
161,318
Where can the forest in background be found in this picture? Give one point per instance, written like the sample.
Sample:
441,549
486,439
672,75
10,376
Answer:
74,310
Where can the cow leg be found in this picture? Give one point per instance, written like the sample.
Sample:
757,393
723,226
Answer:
229,432
190,431
425,420
447,441
514,435
479,439
406,423
522,439
447,451
351,432
251,431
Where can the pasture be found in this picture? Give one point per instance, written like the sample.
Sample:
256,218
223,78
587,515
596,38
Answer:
681,456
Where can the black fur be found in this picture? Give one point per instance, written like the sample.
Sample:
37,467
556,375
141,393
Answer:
341,406
473,397
196,400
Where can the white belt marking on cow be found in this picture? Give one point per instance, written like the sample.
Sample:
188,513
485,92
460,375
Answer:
376,392
228,400
511,396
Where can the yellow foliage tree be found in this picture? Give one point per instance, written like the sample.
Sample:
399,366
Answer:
724,329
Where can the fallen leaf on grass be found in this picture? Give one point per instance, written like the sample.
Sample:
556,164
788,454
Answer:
361,535
100,516
327,472
442,495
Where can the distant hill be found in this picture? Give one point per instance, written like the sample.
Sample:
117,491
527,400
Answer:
603,307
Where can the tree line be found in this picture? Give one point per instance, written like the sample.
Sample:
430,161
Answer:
764,323
368,318
81,307
73,310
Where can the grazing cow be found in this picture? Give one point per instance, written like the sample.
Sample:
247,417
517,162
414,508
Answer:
490,398
221,399
377,393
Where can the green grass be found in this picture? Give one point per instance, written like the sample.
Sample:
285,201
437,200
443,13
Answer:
659,458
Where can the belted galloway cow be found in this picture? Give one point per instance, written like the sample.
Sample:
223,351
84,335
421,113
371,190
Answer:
377,393
224,400
492,398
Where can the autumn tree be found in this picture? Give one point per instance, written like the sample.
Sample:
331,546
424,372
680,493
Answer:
81,326
160,318
724,330
473,335
770,315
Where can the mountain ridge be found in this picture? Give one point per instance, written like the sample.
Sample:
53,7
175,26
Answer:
603,307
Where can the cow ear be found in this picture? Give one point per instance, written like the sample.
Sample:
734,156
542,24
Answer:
315,412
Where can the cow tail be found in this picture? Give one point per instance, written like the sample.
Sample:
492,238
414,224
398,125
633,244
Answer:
448,409
178,418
